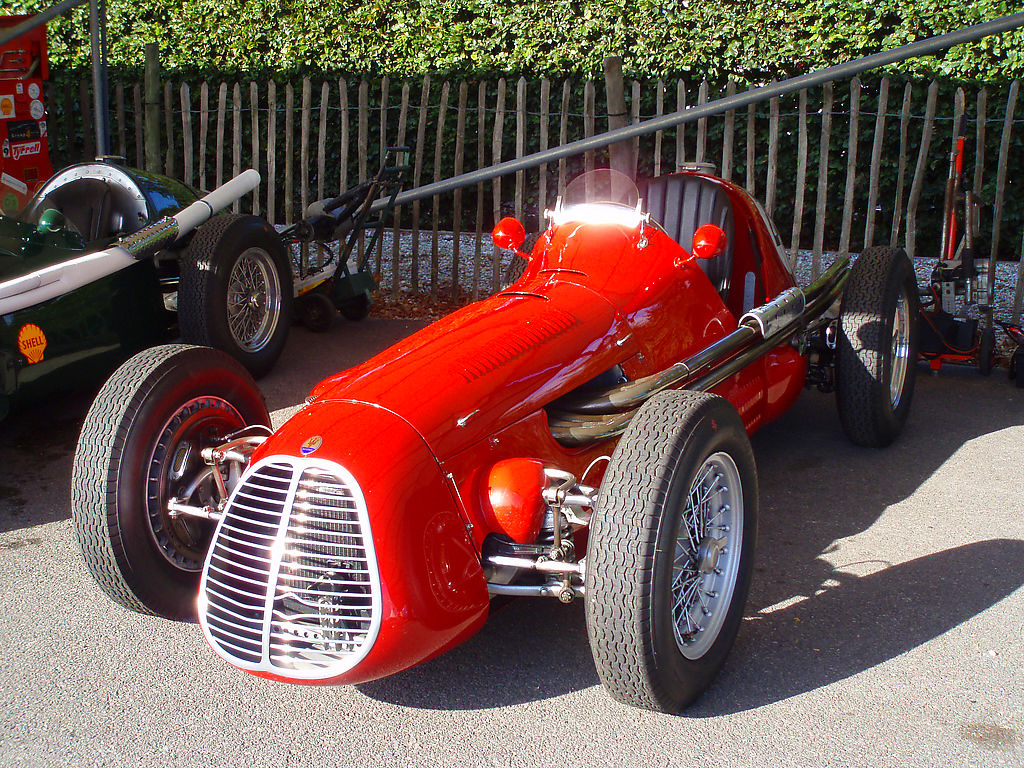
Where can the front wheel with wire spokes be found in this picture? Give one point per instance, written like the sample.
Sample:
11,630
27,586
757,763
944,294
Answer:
671,546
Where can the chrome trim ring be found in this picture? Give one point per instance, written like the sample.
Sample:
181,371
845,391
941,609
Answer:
900,360
708,544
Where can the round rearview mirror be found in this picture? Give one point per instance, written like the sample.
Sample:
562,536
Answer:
709,241
509,233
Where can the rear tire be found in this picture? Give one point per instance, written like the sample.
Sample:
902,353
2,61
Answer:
236,291
877,346
672,536
140,446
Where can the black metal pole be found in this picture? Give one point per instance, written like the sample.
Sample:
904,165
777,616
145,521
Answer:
98,35
792,85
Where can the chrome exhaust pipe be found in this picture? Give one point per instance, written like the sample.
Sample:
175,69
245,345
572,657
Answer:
606,413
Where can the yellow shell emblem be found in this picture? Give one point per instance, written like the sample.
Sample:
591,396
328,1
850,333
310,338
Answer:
32,343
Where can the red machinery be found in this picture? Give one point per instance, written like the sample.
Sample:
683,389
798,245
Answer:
24,153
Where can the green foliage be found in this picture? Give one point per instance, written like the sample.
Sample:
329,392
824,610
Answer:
750,42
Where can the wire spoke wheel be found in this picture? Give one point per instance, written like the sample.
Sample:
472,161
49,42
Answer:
235,292
253,299
707,550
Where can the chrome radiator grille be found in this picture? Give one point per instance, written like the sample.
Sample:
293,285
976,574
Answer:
291,583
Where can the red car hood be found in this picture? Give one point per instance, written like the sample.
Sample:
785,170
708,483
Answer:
489,364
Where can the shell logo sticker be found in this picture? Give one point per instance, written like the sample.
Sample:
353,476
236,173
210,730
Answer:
311,445
32,343
6,107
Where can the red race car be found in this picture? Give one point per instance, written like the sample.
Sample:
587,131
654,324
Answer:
583,433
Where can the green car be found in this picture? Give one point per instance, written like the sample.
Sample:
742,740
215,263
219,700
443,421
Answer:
106,260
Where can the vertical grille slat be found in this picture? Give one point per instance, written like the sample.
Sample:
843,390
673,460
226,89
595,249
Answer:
291,584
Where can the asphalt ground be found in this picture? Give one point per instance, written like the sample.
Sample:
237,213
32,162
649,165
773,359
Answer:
884,626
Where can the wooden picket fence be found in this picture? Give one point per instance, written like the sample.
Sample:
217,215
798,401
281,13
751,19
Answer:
843,167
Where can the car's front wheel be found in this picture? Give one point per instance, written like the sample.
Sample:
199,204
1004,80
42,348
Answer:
140,447
671,545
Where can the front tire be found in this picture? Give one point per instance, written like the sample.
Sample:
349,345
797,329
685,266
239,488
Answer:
671,548
877,346
140,446
235,292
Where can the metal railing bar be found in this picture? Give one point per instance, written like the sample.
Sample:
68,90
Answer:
692,114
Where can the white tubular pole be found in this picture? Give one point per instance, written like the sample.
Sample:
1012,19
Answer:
191,217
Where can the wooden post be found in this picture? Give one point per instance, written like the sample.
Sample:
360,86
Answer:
876,162
481,159
822,201
897,211
254,103
520,144
1004,156
460,151
659,136
122,148
545,114
204,128
152,104
702,124
236,138
499,130
138,118
563,133
442,110
186,134
169,128
289,150
771,179
851,167
621,153
307,113
272,152
751,184
417,174
917,186
222,106
728,134
801,180
403,115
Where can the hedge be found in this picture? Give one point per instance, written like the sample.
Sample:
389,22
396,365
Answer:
751,42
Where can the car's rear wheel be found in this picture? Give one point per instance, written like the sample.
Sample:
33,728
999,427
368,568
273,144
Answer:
670,552
877,346
236,291
139,447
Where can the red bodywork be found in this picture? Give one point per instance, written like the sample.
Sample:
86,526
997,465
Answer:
421,426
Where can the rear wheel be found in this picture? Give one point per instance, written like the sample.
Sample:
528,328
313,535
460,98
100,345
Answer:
876,348
670,552
139,447
236,291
